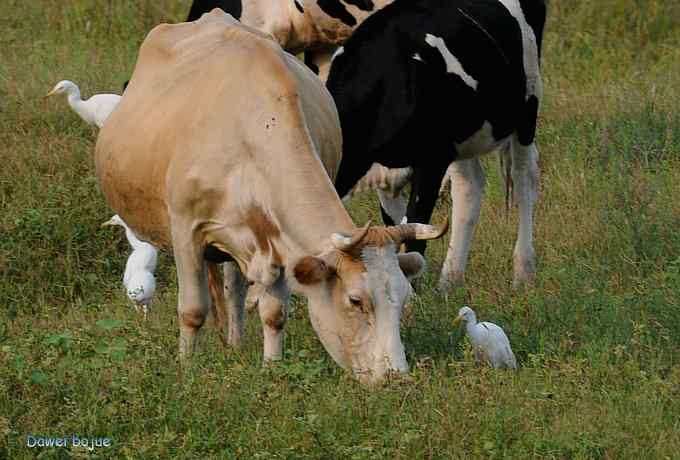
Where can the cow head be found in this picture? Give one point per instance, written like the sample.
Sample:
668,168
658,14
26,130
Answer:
357,291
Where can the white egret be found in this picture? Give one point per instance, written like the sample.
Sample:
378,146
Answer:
139,281
95,110
489,342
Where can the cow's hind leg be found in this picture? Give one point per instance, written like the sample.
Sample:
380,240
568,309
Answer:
235,288
215,284
525,178
467,191
193,299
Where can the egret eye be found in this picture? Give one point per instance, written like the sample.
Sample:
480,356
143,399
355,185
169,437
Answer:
355,301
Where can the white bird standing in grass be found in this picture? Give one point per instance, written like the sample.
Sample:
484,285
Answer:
95,110
140,284
489,342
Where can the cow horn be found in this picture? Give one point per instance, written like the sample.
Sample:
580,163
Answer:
345,242
405,232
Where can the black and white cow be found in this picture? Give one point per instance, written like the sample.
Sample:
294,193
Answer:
423,83
481,30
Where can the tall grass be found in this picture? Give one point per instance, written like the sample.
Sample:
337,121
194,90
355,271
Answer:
596,336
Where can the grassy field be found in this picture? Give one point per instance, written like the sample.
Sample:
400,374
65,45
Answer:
597,336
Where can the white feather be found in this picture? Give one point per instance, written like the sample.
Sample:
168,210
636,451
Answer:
140,288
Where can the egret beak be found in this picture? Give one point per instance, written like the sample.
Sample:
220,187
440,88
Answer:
108,223
51,93
457,320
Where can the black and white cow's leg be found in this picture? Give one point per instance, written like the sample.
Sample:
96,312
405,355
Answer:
393,207
425,184
389,183
193,300
467,191
273,308
525,178
235,288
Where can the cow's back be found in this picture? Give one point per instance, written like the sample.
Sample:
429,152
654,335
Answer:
321,116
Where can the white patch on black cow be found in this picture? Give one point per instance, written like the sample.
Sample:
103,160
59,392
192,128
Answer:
481,142
530,47
453,65
337,53
337,9
480,66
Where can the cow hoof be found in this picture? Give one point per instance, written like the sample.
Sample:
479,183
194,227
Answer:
451,282
524,275
271,359
235,341
524,268
251,304
520,282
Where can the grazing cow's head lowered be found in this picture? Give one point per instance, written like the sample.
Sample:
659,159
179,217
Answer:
357,291
239,168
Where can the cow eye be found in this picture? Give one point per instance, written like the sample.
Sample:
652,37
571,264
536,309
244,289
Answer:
355,301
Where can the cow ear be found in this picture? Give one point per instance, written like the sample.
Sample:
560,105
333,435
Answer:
311,270
412,264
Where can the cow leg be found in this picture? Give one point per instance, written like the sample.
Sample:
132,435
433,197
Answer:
235,287
273,310
425,184
392,208
525,178
467,190
193,300
446,180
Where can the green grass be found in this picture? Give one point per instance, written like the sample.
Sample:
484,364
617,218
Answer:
597,336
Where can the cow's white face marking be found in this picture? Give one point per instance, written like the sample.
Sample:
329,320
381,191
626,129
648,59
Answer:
390,290
417,57
530,46
480,143
453,65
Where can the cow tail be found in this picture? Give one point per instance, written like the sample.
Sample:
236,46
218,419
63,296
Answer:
505,159
218,308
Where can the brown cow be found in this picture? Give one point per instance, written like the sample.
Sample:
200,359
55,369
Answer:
231,168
